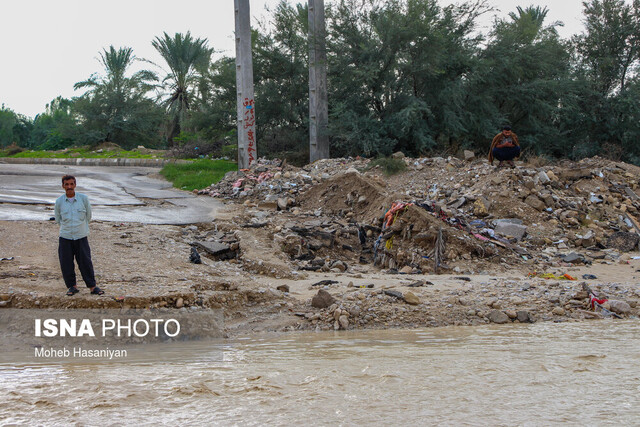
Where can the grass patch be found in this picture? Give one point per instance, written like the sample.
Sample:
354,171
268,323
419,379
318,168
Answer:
197,174
79,153
389,165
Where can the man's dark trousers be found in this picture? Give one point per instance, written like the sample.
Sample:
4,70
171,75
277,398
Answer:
78,249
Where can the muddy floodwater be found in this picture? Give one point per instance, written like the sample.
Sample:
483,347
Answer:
584,373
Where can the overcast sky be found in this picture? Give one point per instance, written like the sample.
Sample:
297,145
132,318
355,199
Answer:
47,46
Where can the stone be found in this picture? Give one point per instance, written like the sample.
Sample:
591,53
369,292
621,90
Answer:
543,178
623,241
340,265
213,248
535,202
469,155
179,302
344,321
510,229
620,307
558,311
524,317
481,207
407,269
511,314
283,288
395,294
575,174
573,258
282,204
411,298
398,155
497,316
322,299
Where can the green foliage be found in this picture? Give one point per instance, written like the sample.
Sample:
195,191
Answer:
404,75
187,59
8,120
14,128
197,174
389,165
81,152
54,129
115,107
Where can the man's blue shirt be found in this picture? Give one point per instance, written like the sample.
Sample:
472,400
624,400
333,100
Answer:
73,216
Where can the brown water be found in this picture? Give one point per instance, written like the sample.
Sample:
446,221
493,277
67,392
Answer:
572,374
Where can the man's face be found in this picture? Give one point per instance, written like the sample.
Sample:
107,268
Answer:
506,132
69,187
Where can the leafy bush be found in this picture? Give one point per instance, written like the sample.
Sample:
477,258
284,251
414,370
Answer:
389,165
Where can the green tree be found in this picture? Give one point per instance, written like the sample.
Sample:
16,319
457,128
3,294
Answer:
608,54
524,79
14,128
610,47
187,59
397,74
8,120
56,128
115,107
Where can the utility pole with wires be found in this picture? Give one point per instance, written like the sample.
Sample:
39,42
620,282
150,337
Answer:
247,144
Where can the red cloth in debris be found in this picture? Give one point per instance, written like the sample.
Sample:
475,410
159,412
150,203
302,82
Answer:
593,300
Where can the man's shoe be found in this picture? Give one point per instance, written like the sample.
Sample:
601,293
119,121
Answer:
72,291
97,291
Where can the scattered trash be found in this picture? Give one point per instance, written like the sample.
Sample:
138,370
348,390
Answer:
551,276
589,276
325,283
195,256
6,258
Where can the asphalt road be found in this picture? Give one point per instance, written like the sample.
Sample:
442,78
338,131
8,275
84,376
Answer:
117,194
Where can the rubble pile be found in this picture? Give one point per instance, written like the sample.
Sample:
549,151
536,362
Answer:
332,213
266,181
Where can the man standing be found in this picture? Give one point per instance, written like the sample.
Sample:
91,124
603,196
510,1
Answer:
73,213
504,147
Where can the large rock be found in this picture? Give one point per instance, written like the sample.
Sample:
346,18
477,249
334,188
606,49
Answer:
481,207
322,299
543,178
620,307
411,298
213,248
623,241
344,321
535,202
510,229
469,155
525,317
497,316
573,258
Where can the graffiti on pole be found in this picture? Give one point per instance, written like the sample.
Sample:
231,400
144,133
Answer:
249,126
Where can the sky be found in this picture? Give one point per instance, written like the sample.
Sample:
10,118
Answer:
47,46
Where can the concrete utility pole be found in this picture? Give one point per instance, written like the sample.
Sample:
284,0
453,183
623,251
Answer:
247,145
318,101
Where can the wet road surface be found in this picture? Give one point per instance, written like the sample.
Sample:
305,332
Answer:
118,194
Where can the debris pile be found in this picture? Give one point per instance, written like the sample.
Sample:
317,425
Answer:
460,216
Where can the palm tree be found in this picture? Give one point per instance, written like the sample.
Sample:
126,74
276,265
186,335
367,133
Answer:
111,104
116,63
187,59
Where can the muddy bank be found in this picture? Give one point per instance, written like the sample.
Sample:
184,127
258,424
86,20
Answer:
467,244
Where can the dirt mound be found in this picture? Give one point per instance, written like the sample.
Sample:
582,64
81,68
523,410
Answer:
108,146
348,192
